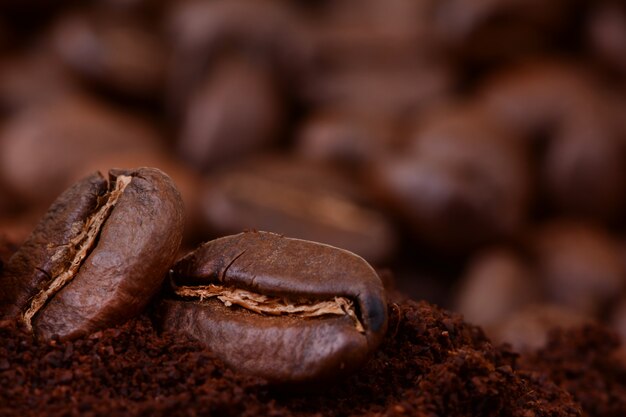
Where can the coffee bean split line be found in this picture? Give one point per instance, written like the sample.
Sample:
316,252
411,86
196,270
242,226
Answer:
275,306
82,244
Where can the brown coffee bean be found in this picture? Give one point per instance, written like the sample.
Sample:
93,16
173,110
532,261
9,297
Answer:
346,138
581,266
536,98
583,169
606,29
463,181
496,284
284,309
119,55
31,77
391,92
204,32
234,111
97,256
299,199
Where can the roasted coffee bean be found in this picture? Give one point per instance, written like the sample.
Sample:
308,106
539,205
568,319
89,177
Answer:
607,34
580,265
235,101
97,256
298,199
284,309
204,32
463,180
120,56
346,138
497,283
392,93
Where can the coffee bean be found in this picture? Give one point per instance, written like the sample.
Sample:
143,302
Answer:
284,309
235,101
497,283
462,181
580,265
348,139
297,198
117,54
97,256
205,32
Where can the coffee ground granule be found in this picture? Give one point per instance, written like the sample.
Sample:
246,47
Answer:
430,364
588,363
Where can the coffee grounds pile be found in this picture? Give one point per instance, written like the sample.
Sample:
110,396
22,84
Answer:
431,363
588,364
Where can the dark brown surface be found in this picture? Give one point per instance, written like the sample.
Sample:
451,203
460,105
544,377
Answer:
136,244
590,363
431,363
285,347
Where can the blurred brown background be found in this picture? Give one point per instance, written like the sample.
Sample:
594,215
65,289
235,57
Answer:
475,148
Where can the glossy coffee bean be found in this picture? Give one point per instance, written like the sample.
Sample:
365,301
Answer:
97,256
284,309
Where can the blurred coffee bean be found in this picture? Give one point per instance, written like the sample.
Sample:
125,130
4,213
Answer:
496,284
31,77
41,146
571,120
607,34
372,34
298,199
580,265
618,318
496,30
537,97
584,171
346,138
201,32
463,181
528,329
234,111
117,55
393,92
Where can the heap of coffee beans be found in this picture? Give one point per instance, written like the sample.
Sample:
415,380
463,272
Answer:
440,139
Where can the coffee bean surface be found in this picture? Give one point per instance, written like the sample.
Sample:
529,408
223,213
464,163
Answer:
284,309
97,256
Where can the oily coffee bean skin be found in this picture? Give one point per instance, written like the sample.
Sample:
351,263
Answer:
132,247
286,347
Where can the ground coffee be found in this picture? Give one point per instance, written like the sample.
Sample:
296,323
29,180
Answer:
431,363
